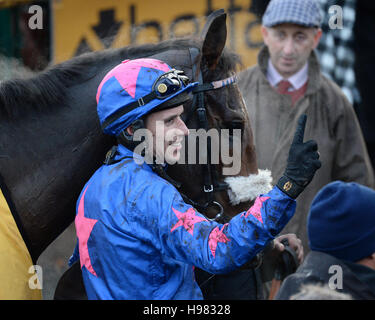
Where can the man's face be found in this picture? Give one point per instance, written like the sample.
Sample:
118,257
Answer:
290,46
168,131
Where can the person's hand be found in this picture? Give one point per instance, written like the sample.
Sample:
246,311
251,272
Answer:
303,161
294,243
272,255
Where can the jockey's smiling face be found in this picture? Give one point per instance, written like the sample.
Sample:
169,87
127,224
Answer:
168,131
290,46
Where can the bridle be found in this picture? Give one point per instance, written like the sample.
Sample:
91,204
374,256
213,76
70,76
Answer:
211,184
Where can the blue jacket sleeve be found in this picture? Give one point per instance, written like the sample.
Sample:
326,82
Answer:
184,234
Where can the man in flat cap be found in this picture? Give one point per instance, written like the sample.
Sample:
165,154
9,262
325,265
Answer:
286,83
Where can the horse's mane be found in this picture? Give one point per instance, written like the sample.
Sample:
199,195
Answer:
48,88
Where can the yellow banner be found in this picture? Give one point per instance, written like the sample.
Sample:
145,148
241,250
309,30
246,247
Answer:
11,3
81,25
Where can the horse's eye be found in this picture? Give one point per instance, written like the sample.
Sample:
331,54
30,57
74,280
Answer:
237,124
232,125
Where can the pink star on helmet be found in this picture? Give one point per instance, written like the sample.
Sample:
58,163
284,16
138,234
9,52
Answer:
187,219
84,227
255,210
216,236
128,79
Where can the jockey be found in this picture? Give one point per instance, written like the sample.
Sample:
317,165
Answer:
137,238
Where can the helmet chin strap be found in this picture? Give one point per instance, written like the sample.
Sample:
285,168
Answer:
127,140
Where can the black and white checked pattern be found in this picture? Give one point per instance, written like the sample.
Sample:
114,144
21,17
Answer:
336,47
302,12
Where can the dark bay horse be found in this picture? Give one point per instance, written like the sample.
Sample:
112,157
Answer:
51,142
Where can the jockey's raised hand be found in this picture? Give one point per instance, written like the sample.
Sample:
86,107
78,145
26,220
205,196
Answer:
303,161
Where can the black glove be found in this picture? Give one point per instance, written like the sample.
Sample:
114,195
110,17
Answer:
303,161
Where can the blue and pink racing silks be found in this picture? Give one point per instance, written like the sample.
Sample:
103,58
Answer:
138,239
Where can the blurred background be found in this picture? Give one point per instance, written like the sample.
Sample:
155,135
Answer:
37,34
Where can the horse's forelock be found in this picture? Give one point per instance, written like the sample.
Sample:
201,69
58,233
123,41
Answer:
228,63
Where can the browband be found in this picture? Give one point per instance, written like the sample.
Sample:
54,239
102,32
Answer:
215,84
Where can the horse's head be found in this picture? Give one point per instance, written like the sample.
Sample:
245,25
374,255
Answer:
226,149
51,141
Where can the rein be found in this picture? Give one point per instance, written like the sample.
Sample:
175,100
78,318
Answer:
211,184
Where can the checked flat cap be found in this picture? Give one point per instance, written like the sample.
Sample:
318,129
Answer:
301,12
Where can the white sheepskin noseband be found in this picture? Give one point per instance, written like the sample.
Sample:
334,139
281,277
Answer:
243,189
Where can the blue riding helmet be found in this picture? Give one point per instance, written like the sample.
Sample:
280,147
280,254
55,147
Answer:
137,87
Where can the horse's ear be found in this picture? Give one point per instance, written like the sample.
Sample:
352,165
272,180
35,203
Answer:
214,35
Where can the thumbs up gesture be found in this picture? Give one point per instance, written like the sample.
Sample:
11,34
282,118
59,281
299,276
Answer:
303,161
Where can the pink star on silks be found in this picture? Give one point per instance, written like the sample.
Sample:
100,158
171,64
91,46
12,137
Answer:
216,236
187,219
84,227
255,209
128,80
